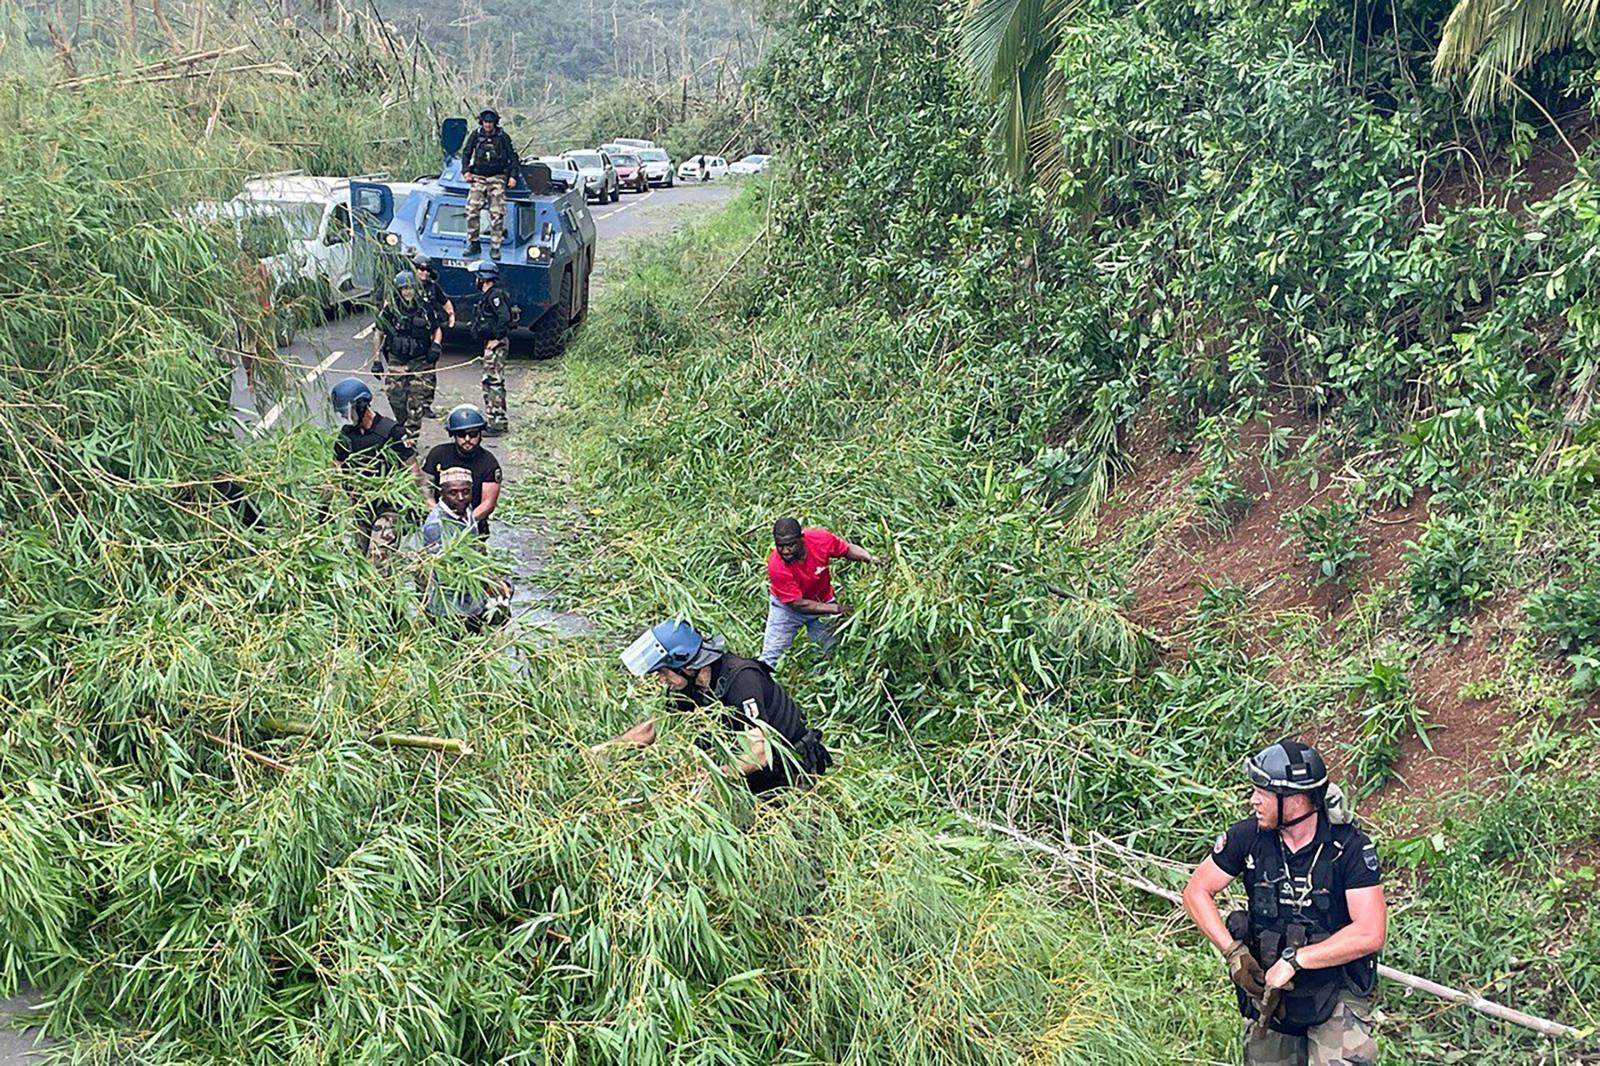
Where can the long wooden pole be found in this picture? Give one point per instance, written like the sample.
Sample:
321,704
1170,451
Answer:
1071,856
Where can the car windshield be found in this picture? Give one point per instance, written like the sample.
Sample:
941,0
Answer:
625,160
653,155
585,159
299,218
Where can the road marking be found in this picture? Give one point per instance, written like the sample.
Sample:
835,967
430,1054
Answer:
364,334
307,378
624,207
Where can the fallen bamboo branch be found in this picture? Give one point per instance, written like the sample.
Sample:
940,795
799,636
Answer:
151,68
249,753
737,260
1071,856
448,745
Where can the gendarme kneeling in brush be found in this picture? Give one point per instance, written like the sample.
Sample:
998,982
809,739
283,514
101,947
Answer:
1304,955
776,747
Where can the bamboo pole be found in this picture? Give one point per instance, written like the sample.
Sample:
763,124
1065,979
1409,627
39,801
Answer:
379,740
1071,856
249,753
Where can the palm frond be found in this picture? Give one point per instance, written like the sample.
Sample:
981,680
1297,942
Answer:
1009,47
1492,42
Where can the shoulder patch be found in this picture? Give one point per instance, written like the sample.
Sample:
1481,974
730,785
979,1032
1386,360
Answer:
1222,842
751,709
1369,855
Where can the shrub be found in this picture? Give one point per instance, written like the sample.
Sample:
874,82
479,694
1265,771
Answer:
1571,615
1448,570
1390,715
1328,537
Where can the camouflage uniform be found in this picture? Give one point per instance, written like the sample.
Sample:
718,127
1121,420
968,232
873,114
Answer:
378,540
490,191
1345,1039
433,296
491,324
407,351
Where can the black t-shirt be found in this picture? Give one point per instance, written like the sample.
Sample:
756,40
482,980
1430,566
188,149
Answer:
1354,858
369,456
481,461
378,450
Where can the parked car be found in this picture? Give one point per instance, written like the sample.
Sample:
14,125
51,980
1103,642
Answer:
657,166
750,164
599,175
630,173
634,142
702,168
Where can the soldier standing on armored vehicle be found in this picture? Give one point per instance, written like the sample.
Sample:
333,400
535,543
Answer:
407,335
444,316
491,325
489,161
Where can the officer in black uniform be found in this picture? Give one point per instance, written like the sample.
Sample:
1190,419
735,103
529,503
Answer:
444,317
1305,952
370,447
781,749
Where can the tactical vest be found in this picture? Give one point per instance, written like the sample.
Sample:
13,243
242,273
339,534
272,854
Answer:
489,152
780,712
492,320
1273,925
409,331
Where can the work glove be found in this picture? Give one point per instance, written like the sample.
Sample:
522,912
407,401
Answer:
377,368
1271,1008
434,352
1245,971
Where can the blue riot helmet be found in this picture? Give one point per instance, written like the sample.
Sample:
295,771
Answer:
351,398
464,419
487,270
405,280
671,645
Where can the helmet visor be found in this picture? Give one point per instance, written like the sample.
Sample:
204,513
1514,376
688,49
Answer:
644,655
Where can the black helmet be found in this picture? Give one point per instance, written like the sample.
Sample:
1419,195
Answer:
1288,767
489,114
422,262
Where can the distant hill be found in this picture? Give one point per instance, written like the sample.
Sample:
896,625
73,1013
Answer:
544,49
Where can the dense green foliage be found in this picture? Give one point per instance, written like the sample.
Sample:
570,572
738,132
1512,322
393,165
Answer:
945,367
916,353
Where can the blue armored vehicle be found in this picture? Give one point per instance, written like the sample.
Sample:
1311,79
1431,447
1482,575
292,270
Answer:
545,260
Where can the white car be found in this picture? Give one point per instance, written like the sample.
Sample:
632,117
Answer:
634,142
599,176
298,225
750,164
657,166
702,168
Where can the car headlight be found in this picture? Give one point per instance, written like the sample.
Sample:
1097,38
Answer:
535,254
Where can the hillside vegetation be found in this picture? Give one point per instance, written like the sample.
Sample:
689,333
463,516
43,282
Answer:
1286,310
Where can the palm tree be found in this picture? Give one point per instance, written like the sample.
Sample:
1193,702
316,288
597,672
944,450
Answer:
1493,41
1010,47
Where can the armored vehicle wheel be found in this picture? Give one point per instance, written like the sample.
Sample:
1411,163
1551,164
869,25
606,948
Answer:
581,312
550,332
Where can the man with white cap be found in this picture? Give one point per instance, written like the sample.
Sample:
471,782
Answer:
777,749
452,518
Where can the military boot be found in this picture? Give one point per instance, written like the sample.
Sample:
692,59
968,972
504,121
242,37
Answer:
474,248
496,429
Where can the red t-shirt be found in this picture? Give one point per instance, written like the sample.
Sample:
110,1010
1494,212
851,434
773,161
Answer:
807,579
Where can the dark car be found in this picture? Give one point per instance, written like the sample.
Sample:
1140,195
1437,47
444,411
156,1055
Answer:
630,173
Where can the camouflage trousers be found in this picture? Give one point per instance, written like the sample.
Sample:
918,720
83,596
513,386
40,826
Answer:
1345,1039
494,380
430,388
377,540
490,192
408,393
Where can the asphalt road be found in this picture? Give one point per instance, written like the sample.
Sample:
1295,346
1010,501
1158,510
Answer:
343,347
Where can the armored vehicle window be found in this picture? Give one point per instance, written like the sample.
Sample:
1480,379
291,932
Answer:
525,223
450,220
370,201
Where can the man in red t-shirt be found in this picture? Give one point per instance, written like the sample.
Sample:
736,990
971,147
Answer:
802,590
